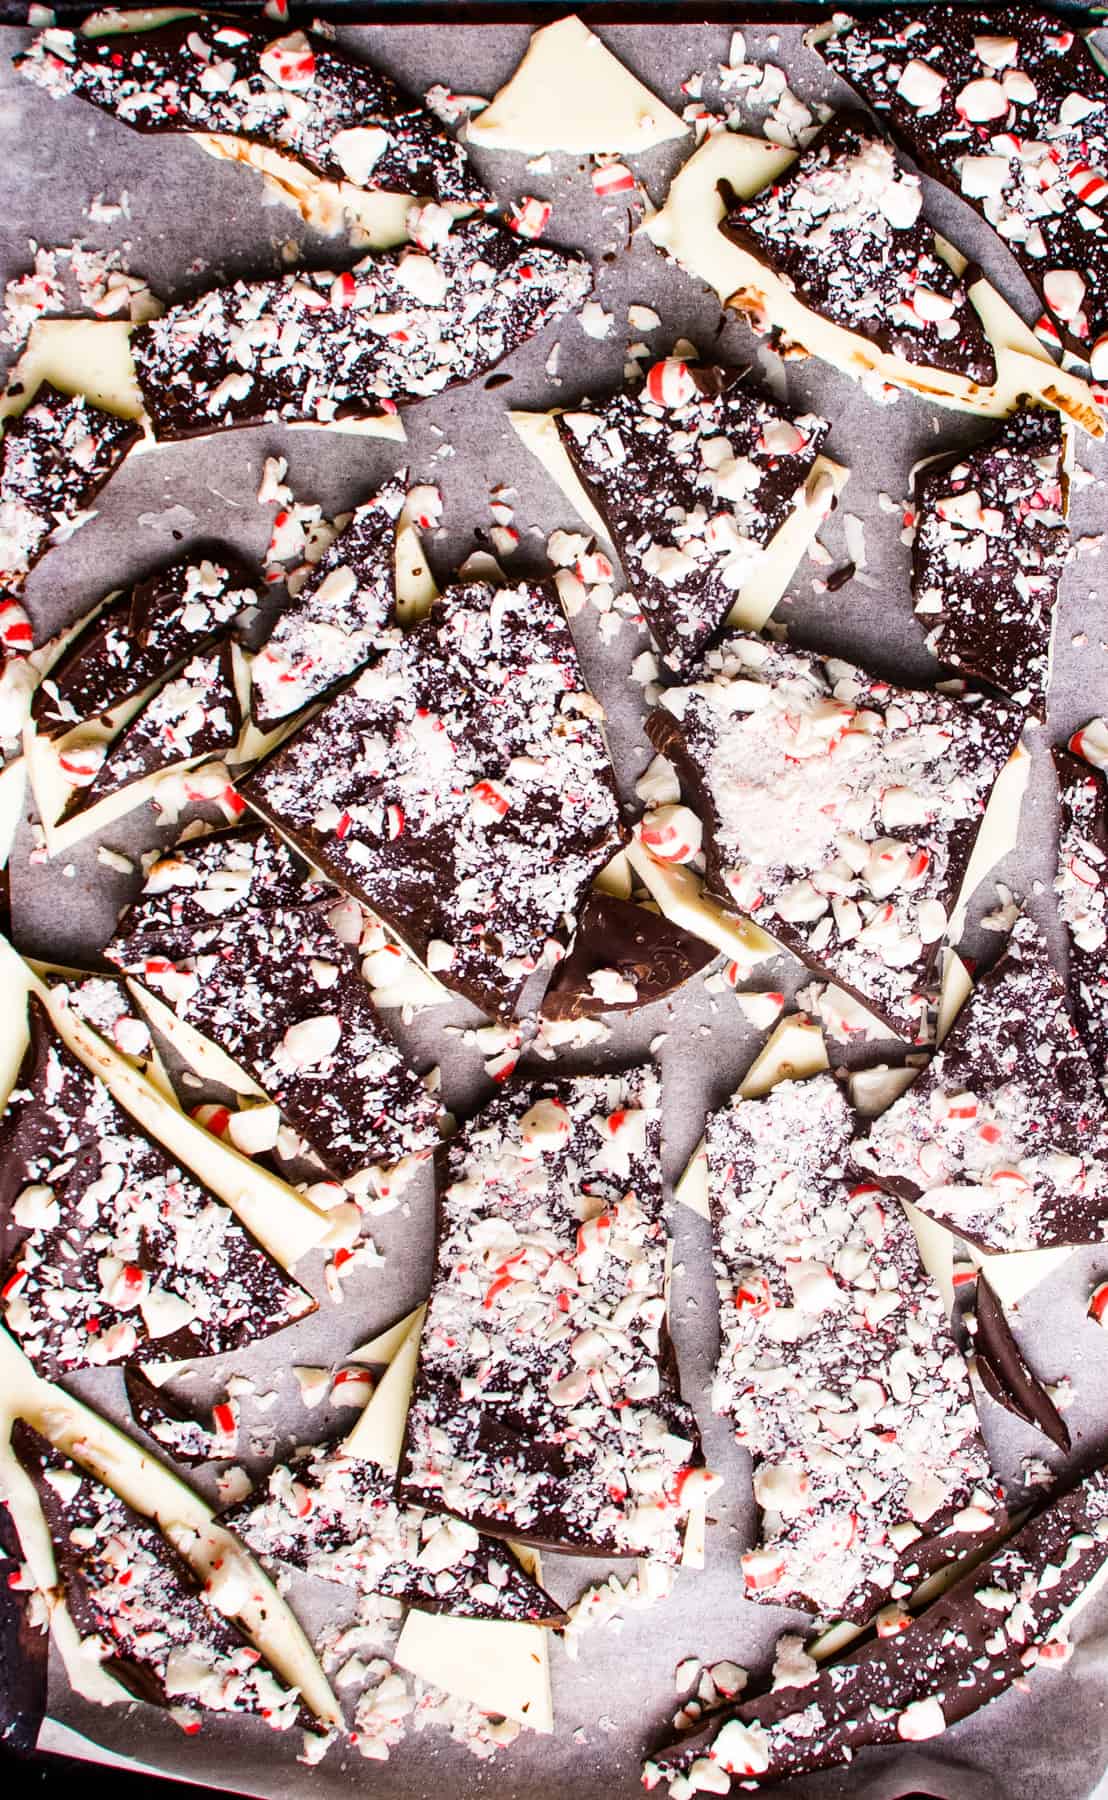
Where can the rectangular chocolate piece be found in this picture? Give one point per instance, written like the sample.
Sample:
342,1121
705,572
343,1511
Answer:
693,473
839,810
317,346
460,786
546,1406
296,93
1004,1136
237,939
1082,889
837,1369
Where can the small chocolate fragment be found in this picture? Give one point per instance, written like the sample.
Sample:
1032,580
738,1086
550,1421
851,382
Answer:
844,225
168,1421
24,1649
1082,888
1004,1373
622,956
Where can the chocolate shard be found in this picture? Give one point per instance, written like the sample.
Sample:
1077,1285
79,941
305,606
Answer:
1004,1136
168,1421
319,347
839,810
837,1370
1082,888
991,543
142,636
113,1252
137,1604
24,1649
295,93
335,1516
1011,113
622,956
335,622
845,226
460,787
194,714
1005,1374
588,1445
54,459
919,1676
246,953
693,473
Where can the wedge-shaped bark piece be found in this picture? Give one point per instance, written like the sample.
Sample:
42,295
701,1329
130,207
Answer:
981,1637
54,459
1004,1372
839,811
460,786
622,956
118,1253
845,225
335,622
234,935
1004,1136
294,92
991,543
1082,888
546,1406
319,347
837,1369
693,474
137,638
1011,112
139,1607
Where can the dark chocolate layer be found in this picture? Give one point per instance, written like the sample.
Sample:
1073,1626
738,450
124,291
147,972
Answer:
619,946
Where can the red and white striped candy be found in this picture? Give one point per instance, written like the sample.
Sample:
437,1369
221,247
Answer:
1088,184
1064,292
530,217
394,820
289,61
15,626
488,803
981,100
762,1569
81,764
352,1387
670,383
612,178
1098,1303
672,834
1091,742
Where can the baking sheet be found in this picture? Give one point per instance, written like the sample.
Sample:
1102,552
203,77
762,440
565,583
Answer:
193,221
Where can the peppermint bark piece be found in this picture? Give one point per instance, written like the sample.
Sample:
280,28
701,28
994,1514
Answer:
839,811
693,474
991,543
1004,1136
845,225
622,956
236,938
336,1517
459,786
54,459
985,1634
1012,114
1082,888
546,1406
137,1604
112,1250
837,1369
141,636
318,347
297,94
334,623
175,1430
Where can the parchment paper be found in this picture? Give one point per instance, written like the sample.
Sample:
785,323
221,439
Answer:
194,221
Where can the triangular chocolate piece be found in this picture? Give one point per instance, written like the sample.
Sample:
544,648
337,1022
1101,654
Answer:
118,1252
693,473
990,546
1004,1372
622,956
54,459
138,1606
845,226
1082,888
1004,1136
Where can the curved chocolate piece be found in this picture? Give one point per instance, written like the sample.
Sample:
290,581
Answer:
24,1650
1082,888
168,1420
310,346
619,946
298,94
844,225
1005,1374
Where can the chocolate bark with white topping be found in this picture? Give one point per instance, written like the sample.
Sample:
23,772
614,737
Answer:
112,1250
546,1406
137,1604
1010,111
990,546
693,473
622,956
296,93
1004,1136
317,346
986,1633
163,1417
1082,888
837,1369
245,953
460,786
336,1517
839,810
140,637
844,225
